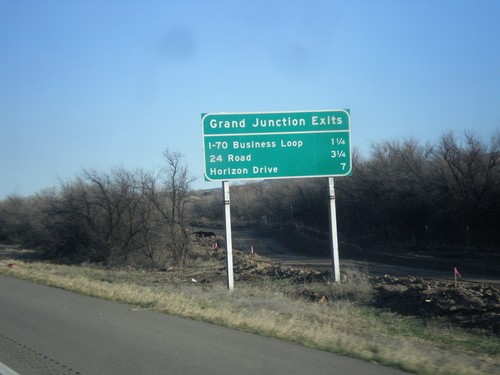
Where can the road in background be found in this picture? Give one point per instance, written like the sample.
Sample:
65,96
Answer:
48,331
375,264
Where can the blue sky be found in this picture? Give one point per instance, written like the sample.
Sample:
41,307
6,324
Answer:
97,84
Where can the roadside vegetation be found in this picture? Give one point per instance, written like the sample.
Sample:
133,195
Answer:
294,305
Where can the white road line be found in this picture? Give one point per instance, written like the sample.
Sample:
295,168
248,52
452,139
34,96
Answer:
4,370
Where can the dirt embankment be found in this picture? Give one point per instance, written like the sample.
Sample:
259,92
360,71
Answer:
470,305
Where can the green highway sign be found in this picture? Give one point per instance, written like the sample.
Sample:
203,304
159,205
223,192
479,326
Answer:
242,146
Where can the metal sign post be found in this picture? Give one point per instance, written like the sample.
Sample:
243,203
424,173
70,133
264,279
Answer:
229,239
334,243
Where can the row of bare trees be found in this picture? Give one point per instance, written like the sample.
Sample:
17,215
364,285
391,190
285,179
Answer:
445,194
405,192
107,217
441,192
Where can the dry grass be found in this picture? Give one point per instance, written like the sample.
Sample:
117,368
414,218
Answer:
274,308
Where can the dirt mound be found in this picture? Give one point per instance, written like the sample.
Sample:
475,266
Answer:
248,267
469,305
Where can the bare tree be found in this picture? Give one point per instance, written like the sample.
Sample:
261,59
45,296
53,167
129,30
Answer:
149,220
94,217
19,220
111,206
467,180
171,201
208,207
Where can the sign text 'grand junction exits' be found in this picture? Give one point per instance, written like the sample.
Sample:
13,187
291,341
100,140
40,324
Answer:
240,146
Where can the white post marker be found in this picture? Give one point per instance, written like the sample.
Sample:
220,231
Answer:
456,273
334,242
229,239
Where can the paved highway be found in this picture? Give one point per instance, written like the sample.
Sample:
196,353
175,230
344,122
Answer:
48,331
